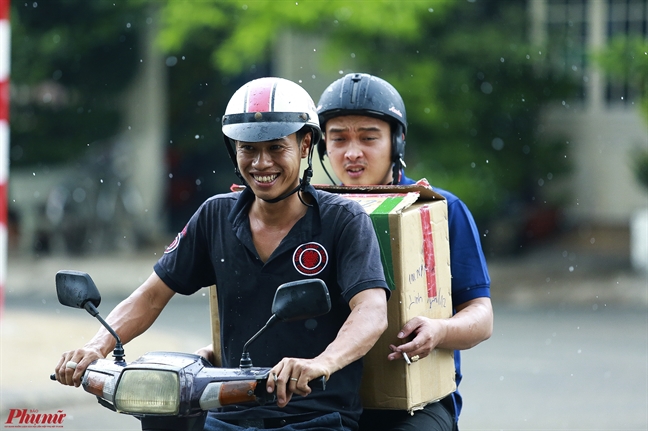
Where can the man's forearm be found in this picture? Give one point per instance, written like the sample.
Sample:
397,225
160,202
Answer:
472,324
134,315
361,330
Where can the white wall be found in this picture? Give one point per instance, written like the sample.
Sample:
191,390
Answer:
603,189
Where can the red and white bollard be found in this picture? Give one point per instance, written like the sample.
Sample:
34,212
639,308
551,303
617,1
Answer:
5,49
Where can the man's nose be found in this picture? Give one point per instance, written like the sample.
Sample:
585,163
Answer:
262,159
353,151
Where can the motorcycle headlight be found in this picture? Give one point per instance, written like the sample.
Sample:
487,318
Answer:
154,392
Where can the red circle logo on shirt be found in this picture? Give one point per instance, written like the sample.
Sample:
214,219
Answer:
310,258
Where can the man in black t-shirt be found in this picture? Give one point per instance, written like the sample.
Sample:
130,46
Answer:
277,230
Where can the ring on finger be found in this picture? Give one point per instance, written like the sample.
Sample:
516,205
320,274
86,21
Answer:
415,358
294,379
71,365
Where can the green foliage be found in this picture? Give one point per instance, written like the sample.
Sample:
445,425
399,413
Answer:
472,85
252,27
625,58
70,59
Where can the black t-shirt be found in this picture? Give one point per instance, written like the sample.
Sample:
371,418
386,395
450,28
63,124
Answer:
334,241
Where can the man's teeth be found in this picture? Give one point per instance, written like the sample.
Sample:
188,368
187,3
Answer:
266,178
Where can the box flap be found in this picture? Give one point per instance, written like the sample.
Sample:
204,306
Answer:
422,187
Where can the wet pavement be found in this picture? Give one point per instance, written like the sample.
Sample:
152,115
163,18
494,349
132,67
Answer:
568,352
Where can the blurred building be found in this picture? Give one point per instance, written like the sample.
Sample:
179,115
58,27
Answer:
603,124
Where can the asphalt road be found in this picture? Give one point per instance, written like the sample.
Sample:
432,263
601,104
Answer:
559,367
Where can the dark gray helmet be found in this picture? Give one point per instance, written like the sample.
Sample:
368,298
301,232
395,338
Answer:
364,94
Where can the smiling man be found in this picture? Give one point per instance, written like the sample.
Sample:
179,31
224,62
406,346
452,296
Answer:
365,124
278,229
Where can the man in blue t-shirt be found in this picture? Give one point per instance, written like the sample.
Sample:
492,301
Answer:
364,122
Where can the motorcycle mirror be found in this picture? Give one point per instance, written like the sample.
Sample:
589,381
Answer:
75,289
296,300
299,300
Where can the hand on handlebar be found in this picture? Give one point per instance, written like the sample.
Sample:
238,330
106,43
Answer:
73,364
292,376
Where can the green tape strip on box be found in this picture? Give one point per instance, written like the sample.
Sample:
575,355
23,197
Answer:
380,219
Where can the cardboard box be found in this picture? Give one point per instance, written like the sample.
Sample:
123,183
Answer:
411,224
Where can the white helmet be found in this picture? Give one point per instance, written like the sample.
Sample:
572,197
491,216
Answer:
269,108
266,109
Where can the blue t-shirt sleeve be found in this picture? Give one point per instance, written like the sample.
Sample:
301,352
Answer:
470,277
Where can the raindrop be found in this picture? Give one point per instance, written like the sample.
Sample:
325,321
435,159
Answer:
128,25
352,55
501,59
472,165
498,144
170,175
197,137
171,61
340,72
430,10
79,195
486,88
592,240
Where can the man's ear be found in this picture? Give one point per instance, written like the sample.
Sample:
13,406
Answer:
306,144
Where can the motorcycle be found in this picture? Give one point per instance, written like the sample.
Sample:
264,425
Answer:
171,391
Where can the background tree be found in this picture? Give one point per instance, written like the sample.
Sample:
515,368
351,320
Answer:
70,61
472,85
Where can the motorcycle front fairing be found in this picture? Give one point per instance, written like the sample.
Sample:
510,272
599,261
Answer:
174,384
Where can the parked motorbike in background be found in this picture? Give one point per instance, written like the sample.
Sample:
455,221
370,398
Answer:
170,391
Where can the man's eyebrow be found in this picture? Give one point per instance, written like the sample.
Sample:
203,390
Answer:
362,129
